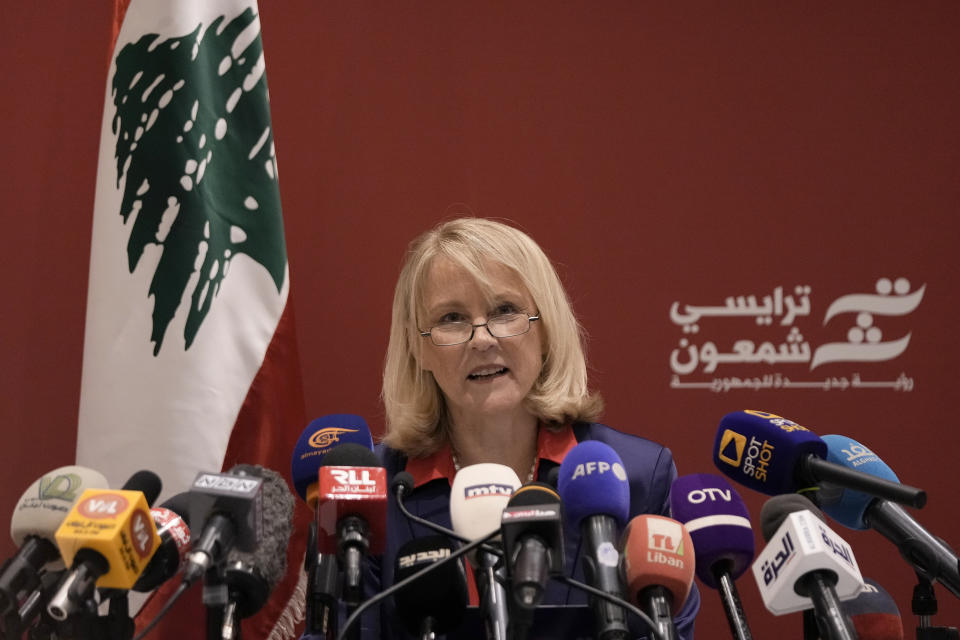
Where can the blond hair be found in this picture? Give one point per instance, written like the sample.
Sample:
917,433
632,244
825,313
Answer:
416,413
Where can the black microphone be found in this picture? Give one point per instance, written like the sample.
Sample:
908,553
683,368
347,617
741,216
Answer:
437,602
174,532
228,506
532,530
250,577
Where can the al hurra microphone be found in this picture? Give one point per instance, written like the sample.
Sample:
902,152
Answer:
323,574
351,511
719,525
478,496
107,540
929,556
658,568
596,497
774,455
227,510
436,603
805,564
38,514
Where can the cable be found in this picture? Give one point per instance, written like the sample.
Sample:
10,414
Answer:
181,589
612,600
399,585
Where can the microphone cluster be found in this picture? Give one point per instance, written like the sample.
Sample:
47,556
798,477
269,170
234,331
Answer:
83,547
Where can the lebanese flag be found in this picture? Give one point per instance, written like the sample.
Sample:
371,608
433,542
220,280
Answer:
190,361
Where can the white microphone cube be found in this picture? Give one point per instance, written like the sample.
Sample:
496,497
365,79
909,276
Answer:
802,544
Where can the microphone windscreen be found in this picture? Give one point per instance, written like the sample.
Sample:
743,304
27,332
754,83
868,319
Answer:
318,438
180,505
775,510
441,594
146,482
402,479
718,522
874,613
478,496
847,506
761,450
594,482
253,575
533,493
45,503
658,551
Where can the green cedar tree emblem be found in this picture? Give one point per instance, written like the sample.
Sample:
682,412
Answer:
195,144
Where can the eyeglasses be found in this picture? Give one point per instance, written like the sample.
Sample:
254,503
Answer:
508,325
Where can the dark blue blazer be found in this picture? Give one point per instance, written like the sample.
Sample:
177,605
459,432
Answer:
650,470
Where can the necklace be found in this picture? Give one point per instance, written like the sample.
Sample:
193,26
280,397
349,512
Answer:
533,467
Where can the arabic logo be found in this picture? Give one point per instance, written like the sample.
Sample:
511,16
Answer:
326,437
62,487
733,443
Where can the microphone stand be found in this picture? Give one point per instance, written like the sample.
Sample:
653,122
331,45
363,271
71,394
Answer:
321,603
493,598
216,596
732,606
924,605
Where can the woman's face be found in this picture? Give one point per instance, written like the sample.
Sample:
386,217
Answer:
487,376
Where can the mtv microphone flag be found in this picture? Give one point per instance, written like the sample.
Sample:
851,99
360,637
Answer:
190,360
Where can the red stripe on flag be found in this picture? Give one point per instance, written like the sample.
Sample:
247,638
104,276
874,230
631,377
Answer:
270,421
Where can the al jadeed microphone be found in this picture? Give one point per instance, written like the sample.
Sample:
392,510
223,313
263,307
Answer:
928,554
719,525
658,567
107,540
38,514
774,455
805,565
478,496
317,439
596,499
351,511
435,604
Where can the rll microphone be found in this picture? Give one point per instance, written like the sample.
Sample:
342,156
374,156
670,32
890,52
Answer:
658,568
930,556
596,496
435,604
351,511
716,517
805,564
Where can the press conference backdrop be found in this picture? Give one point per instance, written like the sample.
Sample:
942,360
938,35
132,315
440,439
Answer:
752,207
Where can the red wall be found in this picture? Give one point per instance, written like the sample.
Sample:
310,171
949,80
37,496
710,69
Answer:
660,154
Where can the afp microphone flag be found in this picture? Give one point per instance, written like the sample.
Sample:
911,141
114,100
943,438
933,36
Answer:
190,360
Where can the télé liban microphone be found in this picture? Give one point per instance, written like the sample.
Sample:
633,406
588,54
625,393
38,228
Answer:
773,455
929,555
227,510
319,437
658,567
36,517
435,603
719,525
593,485
107,540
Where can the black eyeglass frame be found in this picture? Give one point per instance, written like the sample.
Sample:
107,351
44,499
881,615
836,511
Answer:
474,327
